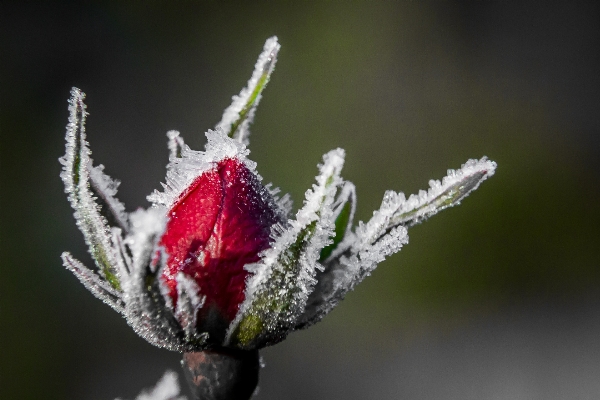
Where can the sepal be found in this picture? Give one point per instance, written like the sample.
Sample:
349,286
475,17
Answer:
189,302
367,247
278,289
77,168
455,186
94,283
343,214
386,232
239,115
105,189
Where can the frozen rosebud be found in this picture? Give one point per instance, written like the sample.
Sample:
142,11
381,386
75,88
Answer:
217,262
219,224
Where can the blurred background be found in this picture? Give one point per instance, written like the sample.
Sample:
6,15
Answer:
496,299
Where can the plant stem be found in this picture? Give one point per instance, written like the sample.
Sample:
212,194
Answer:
221,374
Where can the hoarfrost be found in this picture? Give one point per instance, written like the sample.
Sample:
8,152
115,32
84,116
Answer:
455,186
106,189
182,171
284,203
189,302
147,226
167,388
94,283
175,144
239,115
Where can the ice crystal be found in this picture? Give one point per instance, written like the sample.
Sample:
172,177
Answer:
216,261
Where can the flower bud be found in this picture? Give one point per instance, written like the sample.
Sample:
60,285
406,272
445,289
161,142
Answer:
218,225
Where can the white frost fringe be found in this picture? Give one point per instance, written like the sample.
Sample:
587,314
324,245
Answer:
182,171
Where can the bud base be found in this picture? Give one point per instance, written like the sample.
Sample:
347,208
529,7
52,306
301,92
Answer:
221,374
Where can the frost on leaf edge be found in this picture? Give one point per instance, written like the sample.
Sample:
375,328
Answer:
310,231
239,115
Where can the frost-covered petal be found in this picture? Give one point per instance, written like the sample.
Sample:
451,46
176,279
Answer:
281,282
239,115
77,168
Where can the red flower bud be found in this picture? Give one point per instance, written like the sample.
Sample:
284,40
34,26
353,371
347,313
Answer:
219,224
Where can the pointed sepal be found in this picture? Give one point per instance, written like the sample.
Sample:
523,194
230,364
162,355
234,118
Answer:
189,302
148,310
386,232
455,186
105,189
367,247
343,214
278,289
94,283
77,169
239,115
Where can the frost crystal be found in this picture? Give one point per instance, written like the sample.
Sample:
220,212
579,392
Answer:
216,261
166,389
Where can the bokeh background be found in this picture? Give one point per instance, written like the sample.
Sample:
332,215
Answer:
496,299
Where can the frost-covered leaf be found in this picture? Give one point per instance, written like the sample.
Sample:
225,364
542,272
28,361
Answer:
147,310
77,166
455,186
367,247
189,301
94,283
166,389
105,188
239,115
385,233
344,209
277,292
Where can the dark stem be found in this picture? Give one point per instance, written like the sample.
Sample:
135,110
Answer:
221,374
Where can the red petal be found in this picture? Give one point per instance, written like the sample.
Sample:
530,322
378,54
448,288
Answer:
219,225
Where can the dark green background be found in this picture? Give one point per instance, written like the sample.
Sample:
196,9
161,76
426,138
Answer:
497,298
